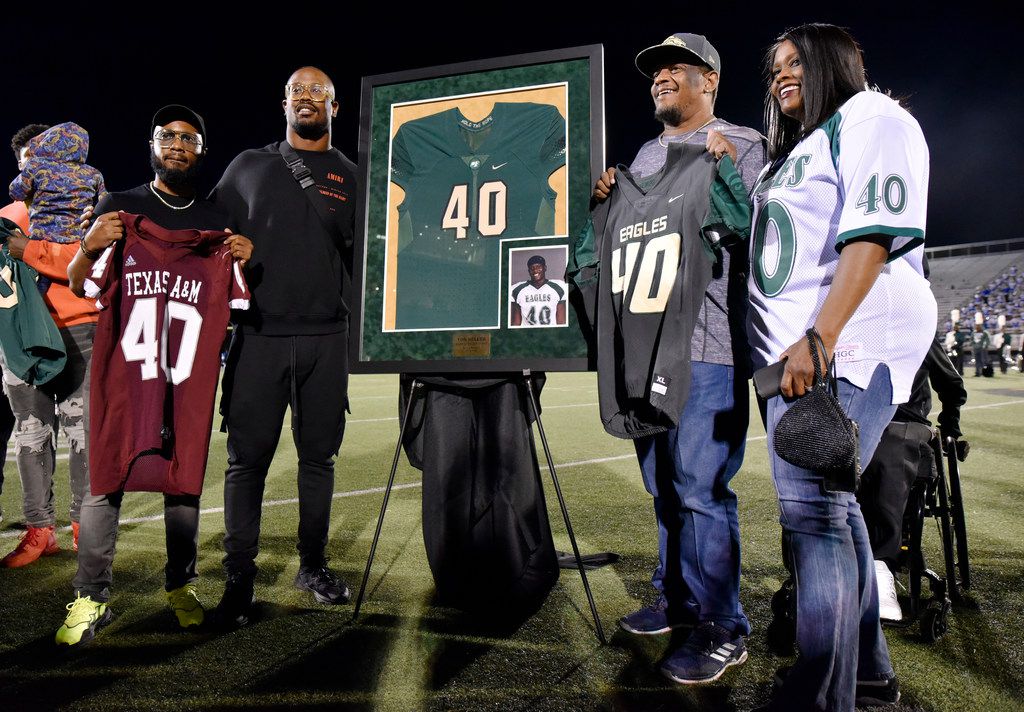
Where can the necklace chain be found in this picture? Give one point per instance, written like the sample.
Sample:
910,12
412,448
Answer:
172,207
687,136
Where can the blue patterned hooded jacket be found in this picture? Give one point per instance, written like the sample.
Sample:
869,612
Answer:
58,182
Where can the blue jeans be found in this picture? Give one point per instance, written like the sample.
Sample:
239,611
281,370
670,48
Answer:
838,632
687,470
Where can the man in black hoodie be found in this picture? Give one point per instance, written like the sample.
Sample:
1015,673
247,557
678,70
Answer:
296,201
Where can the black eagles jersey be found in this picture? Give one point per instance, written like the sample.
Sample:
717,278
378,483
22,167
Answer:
644,274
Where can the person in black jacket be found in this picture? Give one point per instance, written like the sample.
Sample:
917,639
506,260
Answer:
902,455
296,201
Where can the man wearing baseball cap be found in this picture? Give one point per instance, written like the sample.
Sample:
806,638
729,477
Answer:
178,143
687,469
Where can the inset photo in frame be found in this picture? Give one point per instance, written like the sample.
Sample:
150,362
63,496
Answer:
468,171
538,296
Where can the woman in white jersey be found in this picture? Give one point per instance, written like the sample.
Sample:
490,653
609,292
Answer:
839,218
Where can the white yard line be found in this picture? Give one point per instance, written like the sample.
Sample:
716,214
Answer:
380,490
993,405
350,421
337,495
270,503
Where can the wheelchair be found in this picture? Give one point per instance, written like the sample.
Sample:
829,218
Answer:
937,496
940,498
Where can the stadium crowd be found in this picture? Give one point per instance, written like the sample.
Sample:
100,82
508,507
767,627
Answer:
1003,296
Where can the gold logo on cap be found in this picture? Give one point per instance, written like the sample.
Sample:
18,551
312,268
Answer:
673,40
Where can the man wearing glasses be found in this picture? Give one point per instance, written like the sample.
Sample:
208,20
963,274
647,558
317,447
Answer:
296,201
178,144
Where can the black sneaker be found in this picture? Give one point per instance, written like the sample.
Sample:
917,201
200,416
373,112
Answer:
870,693
705,655
323,583
236,605
653,619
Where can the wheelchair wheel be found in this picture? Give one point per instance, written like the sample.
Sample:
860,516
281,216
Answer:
913,526
944,516
956,511
934,621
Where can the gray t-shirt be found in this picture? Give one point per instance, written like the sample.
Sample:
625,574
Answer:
720,333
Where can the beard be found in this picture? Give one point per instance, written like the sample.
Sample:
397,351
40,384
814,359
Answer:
669,115
308,130
174,177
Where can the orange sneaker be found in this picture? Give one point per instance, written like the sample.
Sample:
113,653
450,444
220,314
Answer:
74,534
35,542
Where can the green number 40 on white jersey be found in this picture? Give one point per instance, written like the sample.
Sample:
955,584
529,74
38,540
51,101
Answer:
893,195
772,278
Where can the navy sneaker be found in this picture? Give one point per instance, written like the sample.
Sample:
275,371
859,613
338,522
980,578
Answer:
323,583
705,655
870,693
653,619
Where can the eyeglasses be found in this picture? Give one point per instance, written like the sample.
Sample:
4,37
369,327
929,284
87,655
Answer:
317,92
190,142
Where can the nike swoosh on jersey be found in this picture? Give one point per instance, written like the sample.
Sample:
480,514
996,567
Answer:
496,167
676,197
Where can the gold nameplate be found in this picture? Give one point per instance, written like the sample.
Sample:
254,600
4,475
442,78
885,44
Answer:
471,345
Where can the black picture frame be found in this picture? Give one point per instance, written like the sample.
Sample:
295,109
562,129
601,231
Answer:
382,340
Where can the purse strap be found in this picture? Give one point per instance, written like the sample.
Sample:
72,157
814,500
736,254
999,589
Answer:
822,376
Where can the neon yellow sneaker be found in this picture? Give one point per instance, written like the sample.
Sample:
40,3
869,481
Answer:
185,604
85,617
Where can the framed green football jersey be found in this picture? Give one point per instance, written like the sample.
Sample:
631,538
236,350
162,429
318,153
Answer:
473,178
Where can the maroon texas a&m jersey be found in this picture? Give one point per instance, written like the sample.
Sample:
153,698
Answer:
165,298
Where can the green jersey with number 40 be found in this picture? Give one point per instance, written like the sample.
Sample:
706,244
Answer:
468,185
863,172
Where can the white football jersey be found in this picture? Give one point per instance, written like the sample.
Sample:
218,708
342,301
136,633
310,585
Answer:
538,304
863,172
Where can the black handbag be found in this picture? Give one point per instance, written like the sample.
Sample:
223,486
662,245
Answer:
815,432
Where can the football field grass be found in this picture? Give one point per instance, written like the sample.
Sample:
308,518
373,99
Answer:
405,653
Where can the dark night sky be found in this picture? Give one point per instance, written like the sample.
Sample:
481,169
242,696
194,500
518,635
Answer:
961,73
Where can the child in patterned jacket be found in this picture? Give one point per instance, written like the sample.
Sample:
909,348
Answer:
57,184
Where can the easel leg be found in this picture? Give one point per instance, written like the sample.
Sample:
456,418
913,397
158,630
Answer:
561,503
413,393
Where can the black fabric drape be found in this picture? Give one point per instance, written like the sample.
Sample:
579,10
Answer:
485,524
